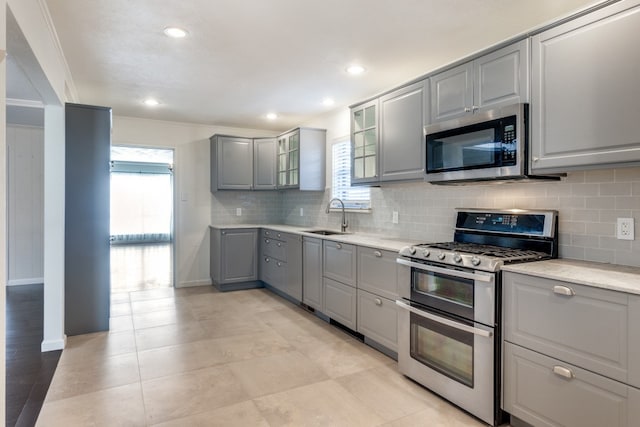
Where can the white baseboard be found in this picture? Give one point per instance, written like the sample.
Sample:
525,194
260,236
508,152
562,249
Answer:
31,281
52,345
192,283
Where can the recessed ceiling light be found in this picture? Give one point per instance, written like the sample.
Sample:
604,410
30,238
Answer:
328,102
175,32
272,116
355,69
150,102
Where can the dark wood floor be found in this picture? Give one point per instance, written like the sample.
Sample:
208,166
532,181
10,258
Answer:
28,370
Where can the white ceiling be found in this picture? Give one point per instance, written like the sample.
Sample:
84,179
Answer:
244,58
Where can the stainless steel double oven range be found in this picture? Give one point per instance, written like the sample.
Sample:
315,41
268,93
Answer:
449,323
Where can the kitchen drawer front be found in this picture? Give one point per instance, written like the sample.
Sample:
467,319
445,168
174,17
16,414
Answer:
339,302
272,234
272,271
274,248
378,319
589,329
377,272
536,394
340,262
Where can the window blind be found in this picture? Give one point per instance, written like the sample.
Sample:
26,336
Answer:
353,197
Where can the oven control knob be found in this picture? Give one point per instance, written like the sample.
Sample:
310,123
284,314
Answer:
426,253
475,260
412,250
457,258
441,256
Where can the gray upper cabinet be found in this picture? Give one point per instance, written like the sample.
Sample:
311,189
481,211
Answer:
403,114
364,143
301,159
585,91
264,164
491,81
231,163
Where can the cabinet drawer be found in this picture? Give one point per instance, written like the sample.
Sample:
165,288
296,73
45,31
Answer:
274,248
377,272
340,262
273,272
589,329
536,394
340,302
378,319
272,234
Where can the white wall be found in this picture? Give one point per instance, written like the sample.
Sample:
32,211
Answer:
25,164
193,199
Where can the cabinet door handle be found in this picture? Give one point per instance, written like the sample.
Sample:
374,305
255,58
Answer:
378,254
535,159
467,109
338,246
279,244
378,301
279,264
267,259
224,233
563,290
563,372
266,233
267,241
279,235
474,108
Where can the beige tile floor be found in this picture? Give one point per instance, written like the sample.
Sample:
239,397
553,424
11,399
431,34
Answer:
196,357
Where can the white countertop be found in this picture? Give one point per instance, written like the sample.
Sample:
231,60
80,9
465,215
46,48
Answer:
606,276
361,239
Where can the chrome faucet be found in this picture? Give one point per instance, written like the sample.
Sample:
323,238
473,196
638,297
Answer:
344,225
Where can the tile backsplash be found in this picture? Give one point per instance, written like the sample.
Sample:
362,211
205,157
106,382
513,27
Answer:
588,202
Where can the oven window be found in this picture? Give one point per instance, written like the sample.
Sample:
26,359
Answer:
443,348
452,289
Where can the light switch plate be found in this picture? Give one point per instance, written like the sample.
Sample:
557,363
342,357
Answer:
394,219
625,229
301,211
238,211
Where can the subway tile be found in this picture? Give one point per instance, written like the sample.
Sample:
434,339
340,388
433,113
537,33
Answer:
627,174
584,241
599,255
615,189
571,252
615,244
599,175
627,203
600,228
601,202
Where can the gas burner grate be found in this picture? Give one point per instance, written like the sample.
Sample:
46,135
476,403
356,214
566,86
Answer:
511,254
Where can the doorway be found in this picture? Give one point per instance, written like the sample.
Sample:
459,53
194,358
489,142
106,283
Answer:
141,223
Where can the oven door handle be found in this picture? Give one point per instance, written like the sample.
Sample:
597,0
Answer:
448,271
444,321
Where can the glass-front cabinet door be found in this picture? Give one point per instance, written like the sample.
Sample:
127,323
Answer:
364,143
289,160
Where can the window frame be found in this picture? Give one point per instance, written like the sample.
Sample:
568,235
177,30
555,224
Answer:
356,198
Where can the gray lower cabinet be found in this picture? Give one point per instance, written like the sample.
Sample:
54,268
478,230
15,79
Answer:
340,302
584,104
491,81
378,319
548,392
264,164
378,277
231,163
312,272
339,262
234,258
281,262
403,114
570,353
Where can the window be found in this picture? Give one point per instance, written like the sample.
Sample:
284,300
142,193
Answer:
353,197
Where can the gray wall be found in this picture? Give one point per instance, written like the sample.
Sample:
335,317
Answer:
588,202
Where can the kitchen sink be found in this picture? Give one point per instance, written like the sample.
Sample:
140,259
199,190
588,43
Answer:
324,232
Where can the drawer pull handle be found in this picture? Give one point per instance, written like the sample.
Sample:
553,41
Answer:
338,246
378,254
267,241
279,244
378,301
563,290
267,259
279,264
279,235
563,372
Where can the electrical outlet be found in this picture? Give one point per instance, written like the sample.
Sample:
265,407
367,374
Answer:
238,211
394,218
624,230
301,211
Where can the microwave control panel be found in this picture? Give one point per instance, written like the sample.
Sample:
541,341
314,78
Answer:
509,142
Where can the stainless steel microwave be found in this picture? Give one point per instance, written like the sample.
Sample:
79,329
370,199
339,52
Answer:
490,145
